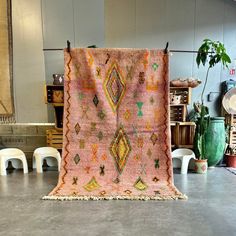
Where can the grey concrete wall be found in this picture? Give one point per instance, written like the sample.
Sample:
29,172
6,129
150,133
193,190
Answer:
26,137
41,24
184,23
79,21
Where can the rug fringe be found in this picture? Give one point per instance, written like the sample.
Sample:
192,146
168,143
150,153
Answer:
96,198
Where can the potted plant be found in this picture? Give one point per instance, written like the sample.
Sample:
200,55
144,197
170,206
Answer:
210,53
202,120
230,156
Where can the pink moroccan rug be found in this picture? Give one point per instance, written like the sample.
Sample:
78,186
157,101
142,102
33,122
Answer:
116,126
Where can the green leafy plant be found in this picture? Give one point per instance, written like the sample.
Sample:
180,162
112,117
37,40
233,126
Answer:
202,120
212,52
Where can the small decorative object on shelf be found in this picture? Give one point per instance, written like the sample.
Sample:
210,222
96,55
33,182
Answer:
185,82
175,99
58,79
184,92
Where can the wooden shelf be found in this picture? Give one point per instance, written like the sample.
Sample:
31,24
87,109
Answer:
58,104
54,138
178,112
54,94
182,134
185,92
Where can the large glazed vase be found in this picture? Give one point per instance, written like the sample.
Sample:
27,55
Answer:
215,141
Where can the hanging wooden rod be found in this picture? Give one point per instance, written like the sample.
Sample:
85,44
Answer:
187,51
94,46
53,49
61,49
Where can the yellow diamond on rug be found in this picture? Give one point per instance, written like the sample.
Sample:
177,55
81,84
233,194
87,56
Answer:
92,185
140,185
114,86
120,149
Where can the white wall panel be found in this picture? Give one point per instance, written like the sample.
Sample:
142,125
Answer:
28,61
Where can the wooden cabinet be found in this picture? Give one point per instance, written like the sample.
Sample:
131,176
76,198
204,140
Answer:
54,95
182,134
178,112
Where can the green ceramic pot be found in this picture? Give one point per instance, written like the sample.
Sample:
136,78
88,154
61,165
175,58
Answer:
215,141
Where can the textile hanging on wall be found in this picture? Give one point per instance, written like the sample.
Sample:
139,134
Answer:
6,96
116,126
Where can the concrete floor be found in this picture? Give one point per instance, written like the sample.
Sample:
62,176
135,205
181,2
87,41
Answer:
210,210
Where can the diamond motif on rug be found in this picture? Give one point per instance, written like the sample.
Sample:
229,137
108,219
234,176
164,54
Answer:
153,138
77,159
101,115
77,128
140,185
155,66
127,114
114,86
100,135
120,149
95,100
149,152
92,185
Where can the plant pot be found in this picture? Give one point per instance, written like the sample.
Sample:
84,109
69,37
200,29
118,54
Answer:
201,166
215,141
230,160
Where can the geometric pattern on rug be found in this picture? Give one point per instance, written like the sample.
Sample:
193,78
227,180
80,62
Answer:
120,149
114,86
116,142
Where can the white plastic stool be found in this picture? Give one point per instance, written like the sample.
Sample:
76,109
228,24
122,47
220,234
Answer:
13,155
44,153
184,155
